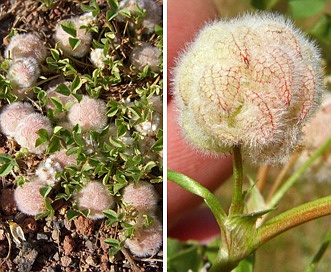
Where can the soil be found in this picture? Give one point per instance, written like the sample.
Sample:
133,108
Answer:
55,244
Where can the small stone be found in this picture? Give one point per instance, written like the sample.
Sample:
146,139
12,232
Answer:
89,245
68,245
66,261
56,256
42,236
29,225
84,226
56,236
2,235
69,224
90,261
103,245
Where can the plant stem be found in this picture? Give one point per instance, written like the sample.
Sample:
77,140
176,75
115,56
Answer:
292,218
289,182
320,252
237,203
197,189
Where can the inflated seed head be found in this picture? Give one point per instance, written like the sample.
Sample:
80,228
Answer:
63,159
146,54
28,198
98,58
24,46
47,170
251,81
142,196
62,38
316,132
153,12
23,72
89,113
11,115
26,133
96,197
146,242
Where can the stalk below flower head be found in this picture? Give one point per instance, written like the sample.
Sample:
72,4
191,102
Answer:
251,81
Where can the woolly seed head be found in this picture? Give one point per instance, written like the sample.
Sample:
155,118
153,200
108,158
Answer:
316,132
89,113
26,133
47,170
251,81
146,242
11,115
142,196
62,38
146,54
28,198
23,72
26,46
98,58
96,197
63,159
153,12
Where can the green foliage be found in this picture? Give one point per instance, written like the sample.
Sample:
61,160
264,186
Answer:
7,165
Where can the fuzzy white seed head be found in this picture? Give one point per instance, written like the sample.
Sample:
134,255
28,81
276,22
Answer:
146,242
141,196
316,132
28,198
26,46
153,12
98,58
251,81
23,72
86,19
47,170
11,115
96,197
89,113
63,159
26,133
146,54
62,38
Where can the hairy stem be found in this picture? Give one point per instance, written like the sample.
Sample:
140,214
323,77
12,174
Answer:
237,202
292,218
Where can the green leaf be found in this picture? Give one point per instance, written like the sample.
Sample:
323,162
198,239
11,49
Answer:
76,84
111,14
306,8
112,242
113,4
246,265
74,43
7,164
44,191
71,214
57,102
63,89
43,137
70,28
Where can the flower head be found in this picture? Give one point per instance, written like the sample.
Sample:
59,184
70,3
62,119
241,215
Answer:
142,196
26,133
23,72
146,242
89,113
153,12
62,38
96,197
251,81
316,132
28,198
11,115
98,58
26,46
145,54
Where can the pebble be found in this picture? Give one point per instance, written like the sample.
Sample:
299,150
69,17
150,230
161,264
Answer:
90,261
66,261
89,245
42,236
56,256
56,236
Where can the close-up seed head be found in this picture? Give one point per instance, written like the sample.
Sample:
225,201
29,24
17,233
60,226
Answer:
252,81
146,242
11,115
26,133
141,196
26,46
62,38
28,198
98,58
89,113
146,54
96,197
23,72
